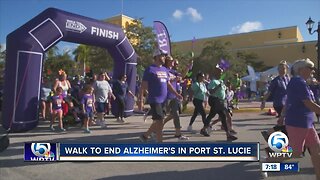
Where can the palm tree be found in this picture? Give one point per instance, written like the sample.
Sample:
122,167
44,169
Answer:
82,55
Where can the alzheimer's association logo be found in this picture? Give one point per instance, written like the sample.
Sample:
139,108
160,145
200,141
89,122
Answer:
75,26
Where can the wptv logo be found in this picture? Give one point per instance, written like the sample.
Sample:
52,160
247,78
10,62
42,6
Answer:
279,143
40,152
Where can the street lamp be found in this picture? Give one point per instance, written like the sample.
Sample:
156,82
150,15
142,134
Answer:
310,24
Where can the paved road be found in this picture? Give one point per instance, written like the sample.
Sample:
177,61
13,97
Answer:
248,124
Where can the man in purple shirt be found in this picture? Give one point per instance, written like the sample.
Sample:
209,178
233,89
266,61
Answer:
277,89
156,81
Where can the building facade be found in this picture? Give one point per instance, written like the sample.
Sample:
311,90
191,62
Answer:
271,45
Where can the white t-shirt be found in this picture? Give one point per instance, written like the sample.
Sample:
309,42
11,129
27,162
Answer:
101,90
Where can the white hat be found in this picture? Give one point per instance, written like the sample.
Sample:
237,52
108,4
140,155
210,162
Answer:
159,52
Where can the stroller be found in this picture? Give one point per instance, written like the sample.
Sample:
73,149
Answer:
72,115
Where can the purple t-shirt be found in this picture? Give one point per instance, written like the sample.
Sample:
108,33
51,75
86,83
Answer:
278,88
157,78
173,81
56,102
297,114
87,100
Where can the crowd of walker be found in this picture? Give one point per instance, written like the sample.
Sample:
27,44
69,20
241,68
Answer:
295,97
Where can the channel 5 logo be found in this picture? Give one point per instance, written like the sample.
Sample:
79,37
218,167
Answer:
279,142
40,151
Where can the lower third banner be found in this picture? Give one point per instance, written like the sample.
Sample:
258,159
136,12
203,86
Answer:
158,152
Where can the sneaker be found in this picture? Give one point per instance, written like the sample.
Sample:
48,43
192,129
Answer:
181,137
204,132
143,138
265,135
189,128
52,128
87,131
231,138
233,132
61,130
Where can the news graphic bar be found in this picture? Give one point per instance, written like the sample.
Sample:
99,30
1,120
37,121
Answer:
159,152
280,167
289,167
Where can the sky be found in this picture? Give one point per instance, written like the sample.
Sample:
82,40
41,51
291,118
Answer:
184,19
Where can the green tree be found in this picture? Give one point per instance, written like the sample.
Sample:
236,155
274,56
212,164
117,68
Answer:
82,53
143,41
250,58
56,62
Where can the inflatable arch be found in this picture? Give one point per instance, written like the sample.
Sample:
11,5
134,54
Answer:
25,52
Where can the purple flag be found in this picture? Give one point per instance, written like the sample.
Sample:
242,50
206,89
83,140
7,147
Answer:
163,37
224,64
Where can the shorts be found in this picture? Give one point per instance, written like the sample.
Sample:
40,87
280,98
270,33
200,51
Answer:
300,137
89,114
55,111
157,111
100,107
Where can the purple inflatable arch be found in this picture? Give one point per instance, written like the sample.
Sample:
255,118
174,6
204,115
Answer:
25,52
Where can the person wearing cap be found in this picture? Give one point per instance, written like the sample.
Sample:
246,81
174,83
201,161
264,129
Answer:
217,90
172,102
156,81
236,83
277,89
298,114
199,93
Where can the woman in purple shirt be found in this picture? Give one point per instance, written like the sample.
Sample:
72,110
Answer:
299,114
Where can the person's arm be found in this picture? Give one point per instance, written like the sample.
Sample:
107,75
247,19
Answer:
143,88
173,90
55,85
131,93
312,106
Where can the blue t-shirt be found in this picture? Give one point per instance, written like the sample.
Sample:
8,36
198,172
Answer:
277,88
297,114
157,78
173,81
87,100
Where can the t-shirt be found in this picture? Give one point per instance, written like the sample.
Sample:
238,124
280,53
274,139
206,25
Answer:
56,102
297,114
199,90
101,90
220,92
87,100
173,81
45,92
277,89
157,78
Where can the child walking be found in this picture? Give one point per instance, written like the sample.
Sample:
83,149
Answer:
88,108
56,109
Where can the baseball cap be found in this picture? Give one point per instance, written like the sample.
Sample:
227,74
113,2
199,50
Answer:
159,52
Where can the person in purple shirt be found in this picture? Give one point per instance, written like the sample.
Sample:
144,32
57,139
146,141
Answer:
277,89
172,102
156,81
56,109
299,112
88,108
315,88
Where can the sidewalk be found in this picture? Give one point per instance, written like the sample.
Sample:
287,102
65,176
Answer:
248,125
